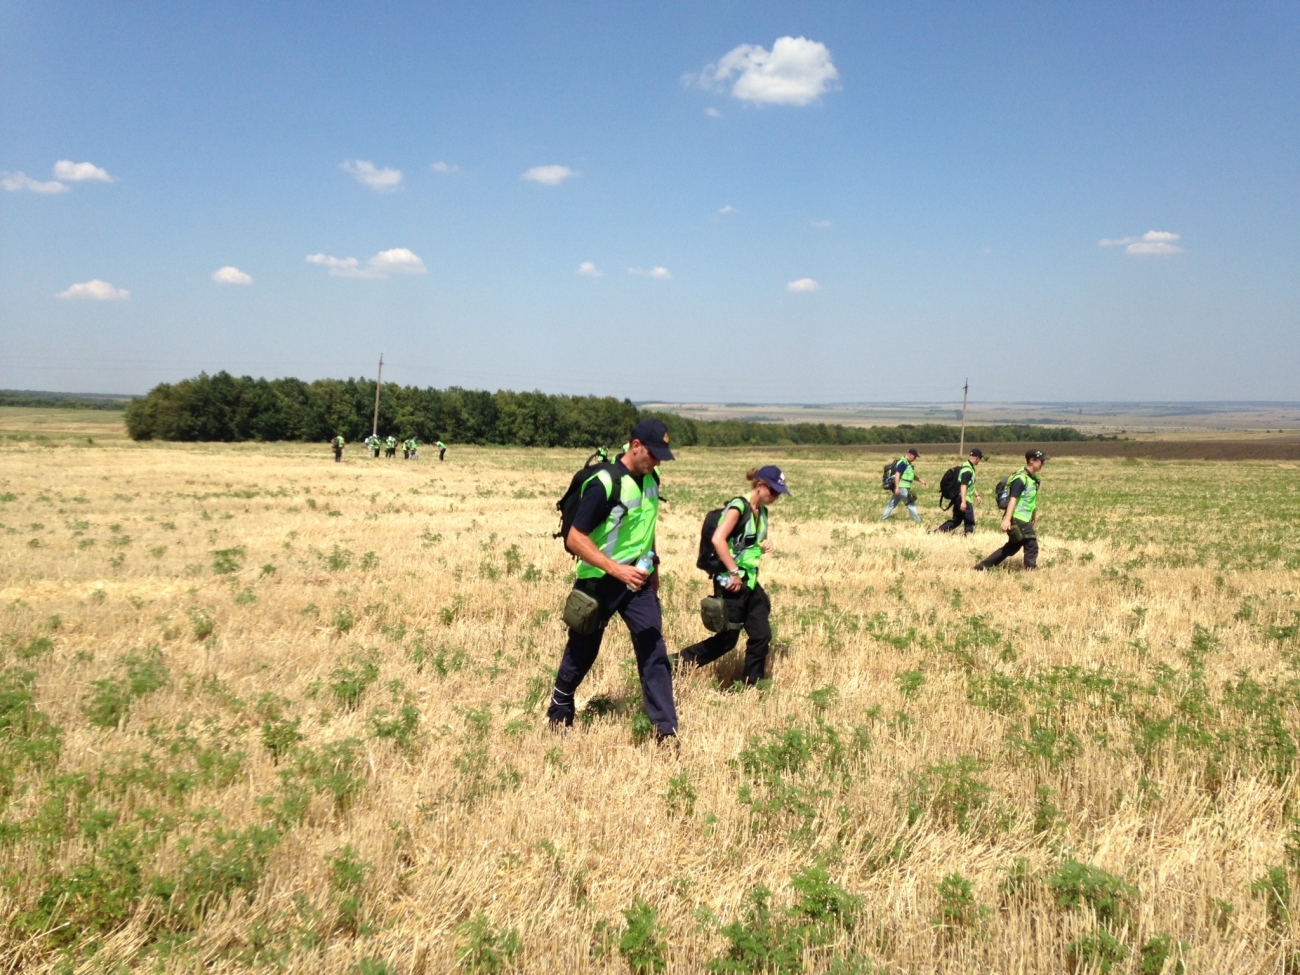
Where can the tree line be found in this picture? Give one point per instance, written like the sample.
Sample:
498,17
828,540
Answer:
227,408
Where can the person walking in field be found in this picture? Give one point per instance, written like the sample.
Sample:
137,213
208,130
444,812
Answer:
613,536
406,449
1021,515
904,475
963,505
390,446
599,456
740,541
442,450
337,443
373,443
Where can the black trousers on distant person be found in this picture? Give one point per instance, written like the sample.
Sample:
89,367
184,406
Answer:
757,610
641,612
960,517
1022,535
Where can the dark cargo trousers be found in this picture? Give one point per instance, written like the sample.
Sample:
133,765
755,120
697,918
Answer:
960,517
1022,535
757,609
640,611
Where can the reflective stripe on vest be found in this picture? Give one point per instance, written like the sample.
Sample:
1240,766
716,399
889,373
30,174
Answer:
1028,502
906,478
629,530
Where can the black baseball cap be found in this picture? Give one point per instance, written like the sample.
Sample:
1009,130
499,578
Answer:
1035,455
771,476
654,435
913,451
976,452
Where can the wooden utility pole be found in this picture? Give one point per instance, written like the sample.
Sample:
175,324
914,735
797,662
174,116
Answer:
374,431
965,391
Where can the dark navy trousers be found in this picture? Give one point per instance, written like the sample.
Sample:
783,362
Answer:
960,517
640,611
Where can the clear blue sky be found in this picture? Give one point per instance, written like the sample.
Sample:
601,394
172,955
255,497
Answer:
941,174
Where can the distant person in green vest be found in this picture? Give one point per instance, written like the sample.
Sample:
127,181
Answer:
442,450
337,443
1021,515
618,570
374,443
415,449
741,542
904,475
406,449
390,446
963,506
599,456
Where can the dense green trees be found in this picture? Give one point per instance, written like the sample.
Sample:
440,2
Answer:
223,407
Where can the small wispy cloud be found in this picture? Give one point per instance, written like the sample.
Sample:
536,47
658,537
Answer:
658,273
552,175
796,71
712,113
803,285
231,275
81,172
727,209
94,290
589,270
381,180
445,167
1152,242
16,182
819,224
397,260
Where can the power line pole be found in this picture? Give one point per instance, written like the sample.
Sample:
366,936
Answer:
374,431
965,391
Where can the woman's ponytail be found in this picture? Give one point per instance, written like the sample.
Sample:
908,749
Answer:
751,474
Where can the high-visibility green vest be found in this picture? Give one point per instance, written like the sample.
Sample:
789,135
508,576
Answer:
392,442
441,445
1025,507
970,488
906,478
629,531
745,547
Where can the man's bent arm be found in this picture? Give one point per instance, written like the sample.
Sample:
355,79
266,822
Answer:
581,545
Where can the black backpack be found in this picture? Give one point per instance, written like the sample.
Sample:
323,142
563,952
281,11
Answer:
1003,493
708,557
567,506
887,478
949,488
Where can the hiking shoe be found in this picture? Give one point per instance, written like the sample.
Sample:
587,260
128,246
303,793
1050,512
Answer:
981,567
667,743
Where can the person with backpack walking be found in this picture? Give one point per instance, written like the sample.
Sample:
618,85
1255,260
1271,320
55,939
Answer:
1021,514
442,450
962,495
337,443
390,446
739,542
904,474
608,520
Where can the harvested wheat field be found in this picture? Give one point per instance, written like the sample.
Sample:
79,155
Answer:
260,711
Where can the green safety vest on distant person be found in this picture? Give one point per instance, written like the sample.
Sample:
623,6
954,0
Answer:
629,531
441,445
970,487
391,442
906,478
1028,502
745,547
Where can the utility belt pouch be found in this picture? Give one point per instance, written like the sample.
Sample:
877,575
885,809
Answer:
720,615
909,496
582,613
1016,535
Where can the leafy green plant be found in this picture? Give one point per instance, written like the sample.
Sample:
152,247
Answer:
280,736
1098,951
226,561
681,795
951,791
348,683
1076,885
111,697
641,943
343,620
1157,951
485,948
959,911
36,648
348,878
202,622
1274,889
402,729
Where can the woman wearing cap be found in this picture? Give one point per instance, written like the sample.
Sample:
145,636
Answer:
741,541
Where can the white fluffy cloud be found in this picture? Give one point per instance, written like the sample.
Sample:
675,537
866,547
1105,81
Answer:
549,175
803,285
589,270
727,209
658,273
14,182
368,174
1152,242
796,71
231,275
819,224
712,112
94,290
397,260
445,167
80,172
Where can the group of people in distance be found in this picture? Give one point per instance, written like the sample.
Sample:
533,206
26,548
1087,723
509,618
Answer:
374,443
612,534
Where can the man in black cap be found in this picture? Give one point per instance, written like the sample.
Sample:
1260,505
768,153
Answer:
904,475
1021,515
613,536
963,506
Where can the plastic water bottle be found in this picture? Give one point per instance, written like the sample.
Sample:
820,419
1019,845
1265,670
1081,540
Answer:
646,563
724,579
